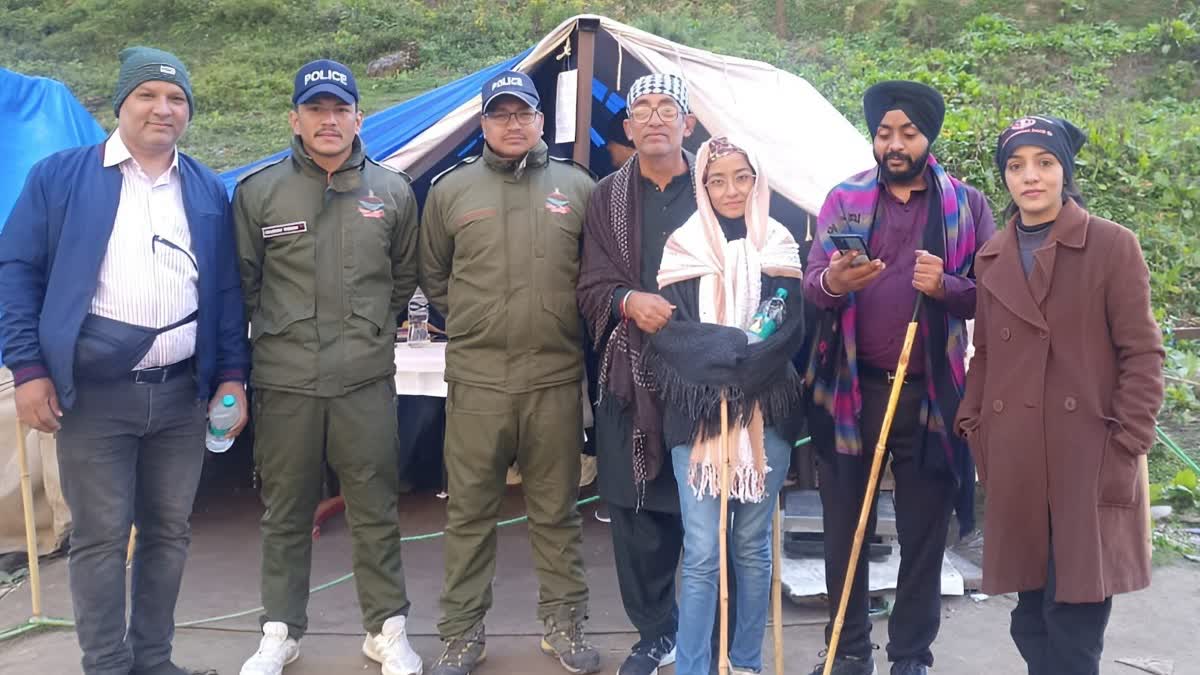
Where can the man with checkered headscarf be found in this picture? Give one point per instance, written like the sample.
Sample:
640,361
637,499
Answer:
629,217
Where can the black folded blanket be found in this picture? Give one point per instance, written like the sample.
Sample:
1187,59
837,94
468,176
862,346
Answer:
695,363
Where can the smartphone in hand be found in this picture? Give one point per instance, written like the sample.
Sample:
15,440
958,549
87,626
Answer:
854,246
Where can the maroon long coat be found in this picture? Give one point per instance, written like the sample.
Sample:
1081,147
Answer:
1060,408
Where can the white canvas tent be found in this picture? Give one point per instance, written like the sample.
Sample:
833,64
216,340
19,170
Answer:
806,145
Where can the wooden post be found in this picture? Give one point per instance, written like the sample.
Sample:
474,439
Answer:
586,66
31,547
781,27
777,587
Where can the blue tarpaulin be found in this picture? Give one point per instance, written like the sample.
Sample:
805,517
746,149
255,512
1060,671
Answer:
40,117
388,130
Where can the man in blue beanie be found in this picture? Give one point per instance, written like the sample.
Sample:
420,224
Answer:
121,318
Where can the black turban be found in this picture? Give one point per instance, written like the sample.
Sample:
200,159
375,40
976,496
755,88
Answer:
1058,136
922,103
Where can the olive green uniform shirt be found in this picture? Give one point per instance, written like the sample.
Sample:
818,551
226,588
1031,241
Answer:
500,245
328,262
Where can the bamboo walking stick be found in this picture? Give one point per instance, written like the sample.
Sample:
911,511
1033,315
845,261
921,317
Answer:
132,545
722,532
777,588
872,483
35,577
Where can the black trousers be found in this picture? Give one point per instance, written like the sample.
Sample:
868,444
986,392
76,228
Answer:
1058,638
923,505
647,545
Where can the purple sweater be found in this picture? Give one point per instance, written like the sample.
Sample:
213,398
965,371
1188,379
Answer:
885,307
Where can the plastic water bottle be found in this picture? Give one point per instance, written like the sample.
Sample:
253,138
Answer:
220,420
766,320
418,320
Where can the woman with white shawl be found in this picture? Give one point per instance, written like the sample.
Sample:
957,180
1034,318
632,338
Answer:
716,270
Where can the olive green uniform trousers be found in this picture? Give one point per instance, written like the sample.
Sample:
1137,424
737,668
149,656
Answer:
486,430
356,434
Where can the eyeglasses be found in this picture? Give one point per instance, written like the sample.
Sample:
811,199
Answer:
742,181
174,247
643,113
524,117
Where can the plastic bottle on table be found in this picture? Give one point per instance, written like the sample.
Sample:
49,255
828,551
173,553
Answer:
769,316
220,420
418,321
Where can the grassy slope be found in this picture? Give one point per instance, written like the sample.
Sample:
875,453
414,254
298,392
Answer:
242,53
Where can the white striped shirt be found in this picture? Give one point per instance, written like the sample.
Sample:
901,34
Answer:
144,280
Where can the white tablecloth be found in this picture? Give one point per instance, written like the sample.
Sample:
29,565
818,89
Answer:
421,371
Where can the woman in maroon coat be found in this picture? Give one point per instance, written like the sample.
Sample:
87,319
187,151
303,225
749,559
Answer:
1060,404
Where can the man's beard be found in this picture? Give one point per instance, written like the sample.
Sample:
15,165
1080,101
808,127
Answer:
915,168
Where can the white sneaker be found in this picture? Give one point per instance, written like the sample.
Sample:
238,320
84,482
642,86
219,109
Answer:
274,652
390,648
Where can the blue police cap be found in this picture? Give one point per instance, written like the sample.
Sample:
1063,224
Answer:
510,83
324,77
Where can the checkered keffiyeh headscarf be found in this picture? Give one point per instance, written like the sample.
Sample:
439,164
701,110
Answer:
659,83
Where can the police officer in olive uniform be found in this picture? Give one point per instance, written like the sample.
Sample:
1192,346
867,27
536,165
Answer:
327,241
500,243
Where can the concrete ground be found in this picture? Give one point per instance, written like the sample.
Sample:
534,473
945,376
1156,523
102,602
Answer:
222,578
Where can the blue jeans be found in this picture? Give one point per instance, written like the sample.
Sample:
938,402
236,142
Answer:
750,542
129,454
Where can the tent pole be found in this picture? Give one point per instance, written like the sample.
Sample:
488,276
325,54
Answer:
586,51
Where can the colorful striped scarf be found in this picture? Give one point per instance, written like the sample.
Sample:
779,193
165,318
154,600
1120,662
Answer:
850,208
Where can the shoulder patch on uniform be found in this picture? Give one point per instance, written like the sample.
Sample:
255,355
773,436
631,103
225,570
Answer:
258,169
390,168
567,160
464,162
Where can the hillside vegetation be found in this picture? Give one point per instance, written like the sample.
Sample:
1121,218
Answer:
1125,71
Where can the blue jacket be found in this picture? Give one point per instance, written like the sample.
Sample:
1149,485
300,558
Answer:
53,245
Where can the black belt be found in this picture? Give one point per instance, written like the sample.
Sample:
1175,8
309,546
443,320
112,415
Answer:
874,373
162,373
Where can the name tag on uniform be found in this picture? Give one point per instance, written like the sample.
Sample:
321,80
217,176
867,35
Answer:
272,231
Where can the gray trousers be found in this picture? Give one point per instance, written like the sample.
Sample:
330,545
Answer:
130,454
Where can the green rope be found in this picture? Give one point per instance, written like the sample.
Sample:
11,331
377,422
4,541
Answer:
46,622
1171,445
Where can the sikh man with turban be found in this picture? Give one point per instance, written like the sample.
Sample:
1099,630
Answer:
922,228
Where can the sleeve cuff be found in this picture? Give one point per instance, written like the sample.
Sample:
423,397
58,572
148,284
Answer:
816,293
618,296
1126,440
27,372
231,375
958,298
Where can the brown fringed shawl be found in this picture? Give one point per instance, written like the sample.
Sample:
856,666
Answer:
612,238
